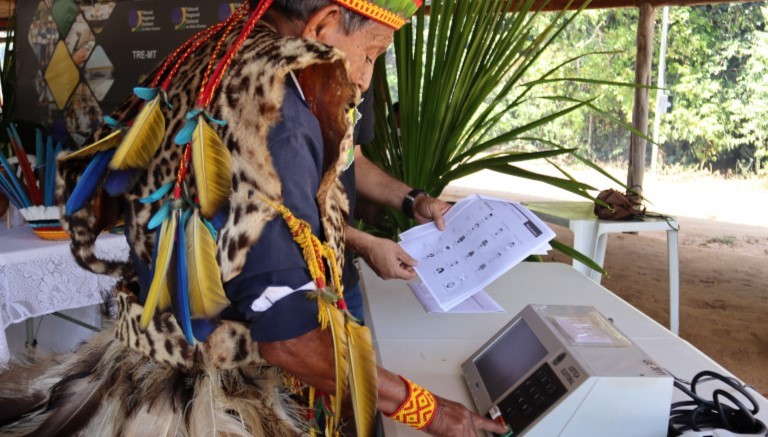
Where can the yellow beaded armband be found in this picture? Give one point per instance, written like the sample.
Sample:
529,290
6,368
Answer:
418,409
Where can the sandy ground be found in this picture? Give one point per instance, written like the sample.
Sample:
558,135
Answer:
723,259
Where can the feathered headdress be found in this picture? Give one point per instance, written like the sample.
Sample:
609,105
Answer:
393,13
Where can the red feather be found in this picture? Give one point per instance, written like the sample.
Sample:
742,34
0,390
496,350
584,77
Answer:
26,169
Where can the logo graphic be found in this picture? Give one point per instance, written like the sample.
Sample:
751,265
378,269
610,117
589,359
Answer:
227,9
142,20
134,20
186,17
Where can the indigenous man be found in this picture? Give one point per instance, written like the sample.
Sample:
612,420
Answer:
230,316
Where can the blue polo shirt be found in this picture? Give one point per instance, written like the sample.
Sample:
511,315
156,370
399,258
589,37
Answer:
296,146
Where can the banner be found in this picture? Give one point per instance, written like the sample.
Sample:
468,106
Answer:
79,59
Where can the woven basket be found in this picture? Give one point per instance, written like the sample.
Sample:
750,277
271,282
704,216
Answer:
44,221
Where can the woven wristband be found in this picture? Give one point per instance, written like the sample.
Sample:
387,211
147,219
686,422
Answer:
418,409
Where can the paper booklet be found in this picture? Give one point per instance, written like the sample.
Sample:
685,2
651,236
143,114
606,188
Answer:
483,239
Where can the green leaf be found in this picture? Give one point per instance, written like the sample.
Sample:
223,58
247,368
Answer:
578,256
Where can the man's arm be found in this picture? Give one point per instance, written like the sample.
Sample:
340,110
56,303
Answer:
376,185
310,359
387,259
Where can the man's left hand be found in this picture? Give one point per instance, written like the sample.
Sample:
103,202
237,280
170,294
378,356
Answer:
426,209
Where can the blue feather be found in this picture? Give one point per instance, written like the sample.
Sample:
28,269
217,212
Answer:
202,328
182,313
40,151
159,216
145,93
13,183
185,134
214,120
88,182
210,228
50,174
8,191
159,194
120,181
112,122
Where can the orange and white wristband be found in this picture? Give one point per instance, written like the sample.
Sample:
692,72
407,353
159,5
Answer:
418,409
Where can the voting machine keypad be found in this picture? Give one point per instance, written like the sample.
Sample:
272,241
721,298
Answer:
531,399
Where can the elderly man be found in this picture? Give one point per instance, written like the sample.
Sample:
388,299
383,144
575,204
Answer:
231,318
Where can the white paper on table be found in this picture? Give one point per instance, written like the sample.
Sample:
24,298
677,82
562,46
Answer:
480,302
484,238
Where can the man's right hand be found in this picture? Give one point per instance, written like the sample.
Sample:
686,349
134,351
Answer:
454,419
388,259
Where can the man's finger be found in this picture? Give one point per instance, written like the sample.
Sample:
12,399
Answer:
439,220
406,259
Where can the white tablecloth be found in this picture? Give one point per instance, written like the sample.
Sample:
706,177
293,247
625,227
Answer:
40,277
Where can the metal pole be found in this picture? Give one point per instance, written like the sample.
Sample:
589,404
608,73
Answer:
661,95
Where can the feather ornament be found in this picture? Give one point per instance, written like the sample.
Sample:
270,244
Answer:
35,197
335,320
164,301
50,174
211,163
362,377
206,291
185,134
181,292
88,182
160,270
142,139
159,194
41,158
121,181
159,217
77,402
108,142
11,184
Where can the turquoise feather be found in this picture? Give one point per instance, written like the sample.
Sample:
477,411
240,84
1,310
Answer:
159,216
159,194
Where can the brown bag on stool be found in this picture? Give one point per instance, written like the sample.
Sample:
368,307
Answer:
620,207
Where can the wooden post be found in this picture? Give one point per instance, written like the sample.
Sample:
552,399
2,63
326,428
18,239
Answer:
643,65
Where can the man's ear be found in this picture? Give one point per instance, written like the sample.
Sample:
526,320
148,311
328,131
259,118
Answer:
323,22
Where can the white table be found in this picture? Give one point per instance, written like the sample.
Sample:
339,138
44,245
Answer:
41,277
590,237
429,348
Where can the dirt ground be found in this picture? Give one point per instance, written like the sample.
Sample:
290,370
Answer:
723,262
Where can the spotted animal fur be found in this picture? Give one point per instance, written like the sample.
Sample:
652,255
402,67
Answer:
249,100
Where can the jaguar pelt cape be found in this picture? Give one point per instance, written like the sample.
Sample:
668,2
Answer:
127,382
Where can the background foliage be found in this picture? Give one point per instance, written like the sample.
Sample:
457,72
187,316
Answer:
717,75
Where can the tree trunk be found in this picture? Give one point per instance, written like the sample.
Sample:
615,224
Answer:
640,112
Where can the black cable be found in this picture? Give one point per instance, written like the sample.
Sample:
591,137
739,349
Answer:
700,414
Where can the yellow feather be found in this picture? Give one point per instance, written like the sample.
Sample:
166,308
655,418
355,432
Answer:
106,143
210,161
142,139
362,377
163,260
164,301
340,352
206,292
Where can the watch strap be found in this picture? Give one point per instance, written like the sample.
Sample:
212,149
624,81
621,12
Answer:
410,199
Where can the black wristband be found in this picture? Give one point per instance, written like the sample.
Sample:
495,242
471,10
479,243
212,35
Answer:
409,200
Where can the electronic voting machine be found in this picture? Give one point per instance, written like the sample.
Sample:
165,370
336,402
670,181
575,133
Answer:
567,371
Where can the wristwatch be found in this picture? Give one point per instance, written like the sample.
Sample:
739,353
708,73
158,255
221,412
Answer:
410,198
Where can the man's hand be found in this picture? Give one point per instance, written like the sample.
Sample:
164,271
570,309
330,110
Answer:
427,209
388,259
454,419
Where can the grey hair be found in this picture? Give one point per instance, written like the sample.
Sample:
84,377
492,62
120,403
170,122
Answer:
303,9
